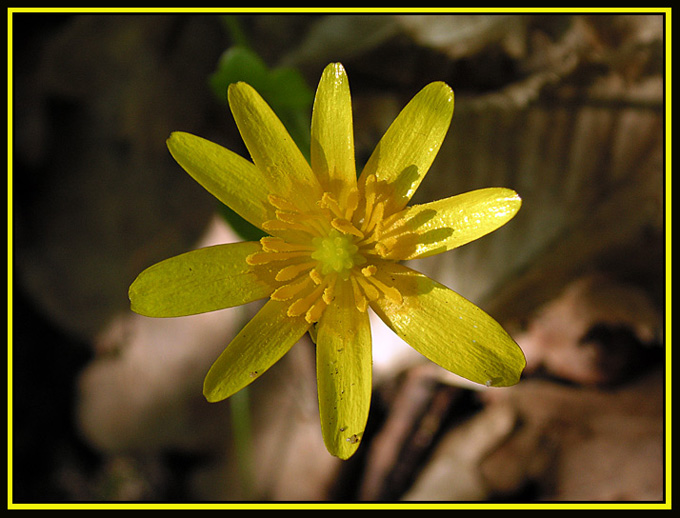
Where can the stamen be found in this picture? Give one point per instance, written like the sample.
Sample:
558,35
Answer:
346,227
291,272
275,224
276,244
328,202
359,299
398,246
312,223
290,290
369,270
370,237
281,203
352,202
293,217
394,222
369,196
376,216
268,257
316,276
329,292
369,290
390,292
314,313
302,305
382,249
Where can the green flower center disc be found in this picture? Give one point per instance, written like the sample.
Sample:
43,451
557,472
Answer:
336,253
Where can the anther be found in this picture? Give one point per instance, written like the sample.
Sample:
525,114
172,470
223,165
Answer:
281,203
314,313
268,257
351,203
316,276
275,224
302,305
292,217
276,244
369,290
382,249
376,216
346,227
359,299
290,290
369,270
369,196
328,293
329,202
290,272
390,292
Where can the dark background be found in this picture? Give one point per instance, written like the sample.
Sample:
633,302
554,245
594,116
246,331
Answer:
566,109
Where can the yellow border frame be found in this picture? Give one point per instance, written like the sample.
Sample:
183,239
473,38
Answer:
329,506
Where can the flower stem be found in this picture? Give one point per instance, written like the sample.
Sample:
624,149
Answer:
243,443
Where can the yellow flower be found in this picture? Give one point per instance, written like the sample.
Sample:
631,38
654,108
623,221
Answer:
333,250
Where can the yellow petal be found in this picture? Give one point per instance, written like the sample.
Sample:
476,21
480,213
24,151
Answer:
332,151
202,280
432,228
285,170
344,366
448,329
232,179
259,345
404,154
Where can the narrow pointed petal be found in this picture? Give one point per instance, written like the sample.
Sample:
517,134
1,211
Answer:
344,366
286,172
432,228
449,330
406,151
332,151
260,344
232,179
199,281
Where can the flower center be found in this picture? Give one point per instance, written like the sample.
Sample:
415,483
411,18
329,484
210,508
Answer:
336,253
328,246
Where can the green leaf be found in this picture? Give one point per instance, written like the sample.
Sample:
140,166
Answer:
283,88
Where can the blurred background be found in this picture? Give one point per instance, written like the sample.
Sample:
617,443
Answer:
568,110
